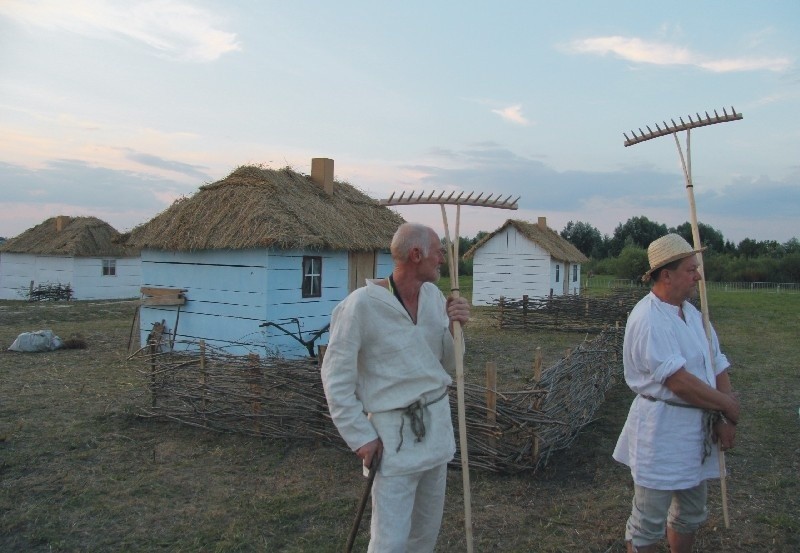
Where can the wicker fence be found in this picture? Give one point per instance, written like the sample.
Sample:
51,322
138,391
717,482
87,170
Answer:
508,430
568,313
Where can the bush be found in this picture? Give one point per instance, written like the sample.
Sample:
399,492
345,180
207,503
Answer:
632,263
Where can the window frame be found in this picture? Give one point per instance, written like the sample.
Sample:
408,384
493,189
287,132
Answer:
109,268
311,277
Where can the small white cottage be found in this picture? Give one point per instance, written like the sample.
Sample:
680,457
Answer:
81,252
522,258
256,262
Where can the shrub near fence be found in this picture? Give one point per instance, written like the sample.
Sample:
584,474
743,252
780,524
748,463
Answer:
508,430
568,313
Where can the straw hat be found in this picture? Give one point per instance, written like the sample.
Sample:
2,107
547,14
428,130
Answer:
665,250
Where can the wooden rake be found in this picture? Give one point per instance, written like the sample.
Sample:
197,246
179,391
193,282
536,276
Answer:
686,163
452,259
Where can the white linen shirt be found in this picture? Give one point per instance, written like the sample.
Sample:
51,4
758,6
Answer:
379,362
661,443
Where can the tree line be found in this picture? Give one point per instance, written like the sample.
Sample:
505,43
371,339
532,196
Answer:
624,253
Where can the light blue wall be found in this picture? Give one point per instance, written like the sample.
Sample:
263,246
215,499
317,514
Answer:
231,292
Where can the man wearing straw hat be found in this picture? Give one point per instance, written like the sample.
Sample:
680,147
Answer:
386,383
682,411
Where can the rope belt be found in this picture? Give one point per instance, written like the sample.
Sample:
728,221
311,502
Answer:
417,415
710,418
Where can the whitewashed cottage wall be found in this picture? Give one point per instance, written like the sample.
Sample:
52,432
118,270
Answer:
89,282
84,275
510,265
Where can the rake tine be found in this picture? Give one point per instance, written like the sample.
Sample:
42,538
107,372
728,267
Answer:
431,194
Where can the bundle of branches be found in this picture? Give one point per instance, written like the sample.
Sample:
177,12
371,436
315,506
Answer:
283,399
568,313
50,292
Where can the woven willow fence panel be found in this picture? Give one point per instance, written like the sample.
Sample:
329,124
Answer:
283,399
568,313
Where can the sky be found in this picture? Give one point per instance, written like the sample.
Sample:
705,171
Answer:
114,109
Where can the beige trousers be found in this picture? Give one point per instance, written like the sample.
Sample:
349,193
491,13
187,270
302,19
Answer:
407,511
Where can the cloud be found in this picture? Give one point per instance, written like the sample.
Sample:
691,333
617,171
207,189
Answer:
662,53
175,29
78,184
194,171
513,114
608,198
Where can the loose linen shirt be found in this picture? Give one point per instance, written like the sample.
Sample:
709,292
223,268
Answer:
378,362
661,443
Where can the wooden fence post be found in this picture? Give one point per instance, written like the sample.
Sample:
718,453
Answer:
525,311
537,377
491,399
255,389
203,382
502,309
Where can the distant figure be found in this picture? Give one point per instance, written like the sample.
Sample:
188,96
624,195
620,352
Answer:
684,405
386,383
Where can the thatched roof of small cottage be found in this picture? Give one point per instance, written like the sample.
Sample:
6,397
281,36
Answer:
255,207
540,234
69,236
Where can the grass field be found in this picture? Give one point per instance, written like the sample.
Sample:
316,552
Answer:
79,471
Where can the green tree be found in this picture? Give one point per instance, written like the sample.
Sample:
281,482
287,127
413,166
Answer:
637,231
709,236
585,237
632,263
792,246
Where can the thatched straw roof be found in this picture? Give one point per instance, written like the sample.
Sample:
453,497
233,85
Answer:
545,237
254,207
77,237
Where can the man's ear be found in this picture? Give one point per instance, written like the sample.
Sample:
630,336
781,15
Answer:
415,255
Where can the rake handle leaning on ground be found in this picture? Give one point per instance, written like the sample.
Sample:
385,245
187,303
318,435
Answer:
458,336
373,468
687,173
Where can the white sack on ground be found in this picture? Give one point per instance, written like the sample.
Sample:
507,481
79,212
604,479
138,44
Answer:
40,340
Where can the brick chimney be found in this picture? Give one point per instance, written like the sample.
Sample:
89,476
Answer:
542,223
322,173
61,222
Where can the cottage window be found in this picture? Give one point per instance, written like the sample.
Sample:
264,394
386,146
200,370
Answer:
558,273
312,277
109,267
574,273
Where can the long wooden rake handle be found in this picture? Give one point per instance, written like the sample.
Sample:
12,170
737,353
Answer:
452,260
687,173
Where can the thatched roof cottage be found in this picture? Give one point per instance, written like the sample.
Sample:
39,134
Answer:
522,258
260,246
77,251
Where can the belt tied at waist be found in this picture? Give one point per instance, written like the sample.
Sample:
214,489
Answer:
710,418
416,413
